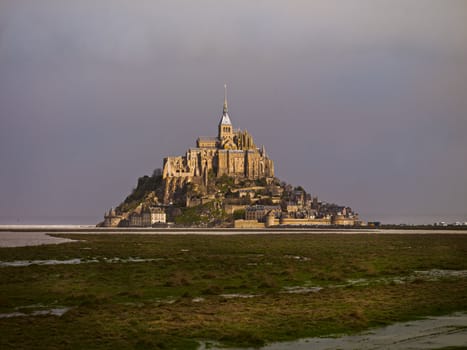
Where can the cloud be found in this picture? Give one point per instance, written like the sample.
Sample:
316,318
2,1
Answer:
363,101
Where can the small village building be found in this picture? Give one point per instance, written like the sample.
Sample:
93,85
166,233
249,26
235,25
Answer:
292,209
135,220
147,217
342,220
259,212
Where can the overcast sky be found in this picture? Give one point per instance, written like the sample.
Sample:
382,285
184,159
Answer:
362,102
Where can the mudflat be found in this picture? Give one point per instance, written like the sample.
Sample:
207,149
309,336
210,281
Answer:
441,332
130,290
28,238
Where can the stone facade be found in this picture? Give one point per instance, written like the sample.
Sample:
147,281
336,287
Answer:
232,153
326,221
259,212
248,224
147,217
150,216
111,219
136,220
342,220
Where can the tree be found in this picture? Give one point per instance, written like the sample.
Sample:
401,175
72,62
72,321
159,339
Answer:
239,214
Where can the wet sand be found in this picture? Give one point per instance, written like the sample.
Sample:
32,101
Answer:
19,236
22,239
431,333
53,312
76,261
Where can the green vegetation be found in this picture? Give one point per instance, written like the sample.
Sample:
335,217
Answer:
181,295
224,183
239,214
209,214
191,216
145,186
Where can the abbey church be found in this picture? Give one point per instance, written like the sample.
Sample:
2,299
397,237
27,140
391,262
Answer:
232,153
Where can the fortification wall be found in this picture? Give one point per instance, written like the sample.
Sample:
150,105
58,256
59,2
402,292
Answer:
248,224
304,222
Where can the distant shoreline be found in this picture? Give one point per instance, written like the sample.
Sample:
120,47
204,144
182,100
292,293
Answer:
232,231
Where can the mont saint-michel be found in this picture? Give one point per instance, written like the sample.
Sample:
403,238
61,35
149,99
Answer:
225,181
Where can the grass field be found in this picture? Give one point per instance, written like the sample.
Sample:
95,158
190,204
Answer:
134,291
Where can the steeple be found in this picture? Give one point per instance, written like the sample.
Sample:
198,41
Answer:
225,119
225,135
226,110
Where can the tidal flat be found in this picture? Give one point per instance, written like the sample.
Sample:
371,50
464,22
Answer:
180,291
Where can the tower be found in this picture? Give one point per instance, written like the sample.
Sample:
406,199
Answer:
225,125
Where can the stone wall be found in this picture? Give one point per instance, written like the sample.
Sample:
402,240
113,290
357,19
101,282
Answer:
304,222
248,224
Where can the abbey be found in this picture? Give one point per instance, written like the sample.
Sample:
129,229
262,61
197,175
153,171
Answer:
232,153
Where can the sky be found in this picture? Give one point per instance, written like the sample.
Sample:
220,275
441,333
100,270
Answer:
361,102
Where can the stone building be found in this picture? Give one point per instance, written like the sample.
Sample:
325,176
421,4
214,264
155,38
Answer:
342,220
259,212
135,219
232,153
147,217
112,219
152,215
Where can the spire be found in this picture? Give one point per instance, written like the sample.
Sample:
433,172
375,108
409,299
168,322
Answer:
226,110
225,119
